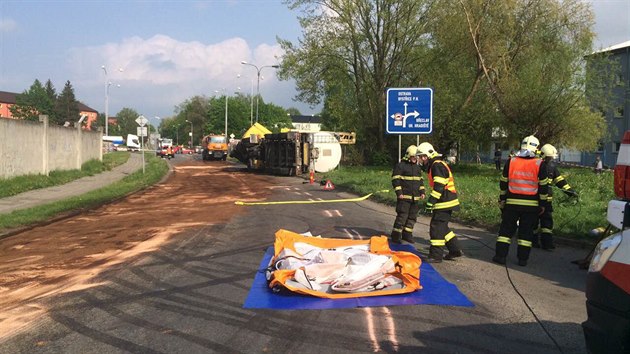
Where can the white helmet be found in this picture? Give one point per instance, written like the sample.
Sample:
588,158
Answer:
549,151
427,149
530,143
412,150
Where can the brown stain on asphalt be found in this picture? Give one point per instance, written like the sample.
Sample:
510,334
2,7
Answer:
68,255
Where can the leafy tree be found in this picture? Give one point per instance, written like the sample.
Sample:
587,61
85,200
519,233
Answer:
530,54
351,53
32,103
66,106
126,120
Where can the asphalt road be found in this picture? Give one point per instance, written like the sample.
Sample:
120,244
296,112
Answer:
186,295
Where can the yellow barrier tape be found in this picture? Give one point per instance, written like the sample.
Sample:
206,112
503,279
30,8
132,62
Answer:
312,201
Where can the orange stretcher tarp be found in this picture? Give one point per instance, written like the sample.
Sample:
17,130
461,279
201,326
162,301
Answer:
407,264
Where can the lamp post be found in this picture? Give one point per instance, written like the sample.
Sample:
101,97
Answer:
191,133
177,134
251,102
258,82
107,84
226,112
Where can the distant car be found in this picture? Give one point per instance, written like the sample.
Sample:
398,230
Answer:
186,151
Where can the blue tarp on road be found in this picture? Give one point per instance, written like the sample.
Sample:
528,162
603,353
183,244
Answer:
435,291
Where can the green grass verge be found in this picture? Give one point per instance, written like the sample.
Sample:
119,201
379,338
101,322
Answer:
478,190
155,169
21,184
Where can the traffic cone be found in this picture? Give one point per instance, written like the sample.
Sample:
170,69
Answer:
312,177
329,185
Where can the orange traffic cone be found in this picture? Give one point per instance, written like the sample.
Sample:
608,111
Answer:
312,177
329,185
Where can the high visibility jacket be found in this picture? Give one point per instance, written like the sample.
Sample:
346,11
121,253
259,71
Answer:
407,180
524,184
555,179
443,193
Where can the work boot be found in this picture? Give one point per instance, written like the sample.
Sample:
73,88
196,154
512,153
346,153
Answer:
522,262
396,241
498,259
452,255
408,238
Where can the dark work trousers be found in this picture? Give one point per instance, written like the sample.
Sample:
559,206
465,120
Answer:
546,228
438,231
406,215
526,223
497,164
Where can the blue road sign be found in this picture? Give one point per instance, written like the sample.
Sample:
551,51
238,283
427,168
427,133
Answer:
409,110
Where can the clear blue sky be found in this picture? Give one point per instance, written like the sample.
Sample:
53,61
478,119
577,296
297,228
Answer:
171,50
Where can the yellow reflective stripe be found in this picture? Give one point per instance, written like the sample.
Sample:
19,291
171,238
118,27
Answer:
504,239
408,229
503,179
438,243
558,179
521,202
436,194
549,199
398,188
404,196
421,188
444,205
543,182
440,180
524,243
449,236
566,187
411,178
397,230
544,196
545,230
502,192
396,176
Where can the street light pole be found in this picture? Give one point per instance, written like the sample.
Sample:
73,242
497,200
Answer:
258,82
107,84
226,111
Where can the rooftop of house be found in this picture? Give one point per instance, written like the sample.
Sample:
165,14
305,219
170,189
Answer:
9,98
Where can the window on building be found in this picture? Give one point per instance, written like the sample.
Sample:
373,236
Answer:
600,146
619,112
615,147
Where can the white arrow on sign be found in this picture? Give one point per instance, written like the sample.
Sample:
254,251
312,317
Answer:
142,121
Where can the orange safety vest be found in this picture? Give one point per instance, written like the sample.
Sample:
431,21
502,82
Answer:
450,185
523,176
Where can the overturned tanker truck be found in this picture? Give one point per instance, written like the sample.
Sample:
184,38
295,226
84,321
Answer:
291,153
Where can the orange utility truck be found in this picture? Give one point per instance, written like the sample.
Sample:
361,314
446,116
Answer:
214,147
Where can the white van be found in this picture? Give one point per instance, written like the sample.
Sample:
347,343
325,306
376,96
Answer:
133,142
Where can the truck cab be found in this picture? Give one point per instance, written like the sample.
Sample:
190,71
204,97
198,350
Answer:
214,147
607,329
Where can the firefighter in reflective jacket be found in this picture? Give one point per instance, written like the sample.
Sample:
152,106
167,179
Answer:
441,204
409,188
545,238
523,197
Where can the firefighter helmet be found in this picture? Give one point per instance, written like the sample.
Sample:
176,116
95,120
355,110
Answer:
427,149
412,150
530,143
549,150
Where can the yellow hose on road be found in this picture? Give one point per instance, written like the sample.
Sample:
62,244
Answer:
313,201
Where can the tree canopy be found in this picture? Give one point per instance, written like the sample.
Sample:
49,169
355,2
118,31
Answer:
515,66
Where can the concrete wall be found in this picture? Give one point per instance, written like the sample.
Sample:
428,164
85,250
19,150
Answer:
38,148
